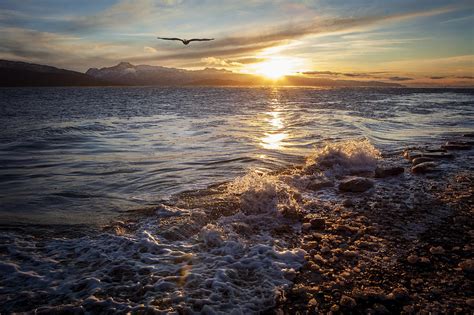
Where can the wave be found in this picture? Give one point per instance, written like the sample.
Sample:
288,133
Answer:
228,249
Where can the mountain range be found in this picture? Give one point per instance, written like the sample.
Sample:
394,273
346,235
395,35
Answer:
15,73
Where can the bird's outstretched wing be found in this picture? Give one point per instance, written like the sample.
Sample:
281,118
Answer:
170,38
200,39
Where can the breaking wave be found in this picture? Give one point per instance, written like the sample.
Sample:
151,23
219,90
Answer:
228,249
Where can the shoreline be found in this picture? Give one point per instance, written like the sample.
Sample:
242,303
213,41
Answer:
396,250
349,231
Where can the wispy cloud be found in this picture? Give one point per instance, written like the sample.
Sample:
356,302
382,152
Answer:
253,41
400,79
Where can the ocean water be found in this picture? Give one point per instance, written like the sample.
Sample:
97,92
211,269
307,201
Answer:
84,155
198,187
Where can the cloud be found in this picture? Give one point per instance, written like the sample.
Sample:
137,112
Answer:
372,75
468,77
437,78
321,73
231,50
400,79
251,42
56,49
150,50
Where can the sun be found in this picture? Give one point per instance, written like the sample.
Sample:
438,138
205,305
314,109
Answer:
275,67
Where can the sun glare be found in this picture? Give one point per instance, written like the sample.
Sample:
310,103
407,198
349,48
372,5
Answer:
275,68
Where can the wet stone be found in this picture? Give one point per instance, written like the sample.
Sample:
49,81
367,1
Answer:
425,167
438,250
381,172
412,259
318,223
420,160
467,265
348,302
356,184
399,294
455,145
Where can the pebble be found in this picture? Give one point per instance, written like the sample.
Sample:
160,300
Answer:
455,145
399,294
348,202
335,308
318,223
348,302
470,302
317,185
309,245
412,259
424,167
381,172
439,250
421,159
356,184
380,309
467,265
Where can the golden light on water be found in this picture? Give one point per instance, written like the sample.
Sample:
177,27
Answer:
273,141
274,136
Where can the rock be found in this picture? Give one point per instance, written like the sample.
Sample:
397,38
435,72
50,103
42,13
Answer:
317,184
335,308
309,245
439,250
399,294
351,254
380,309
375,293
356,184
412,259
381,172
470,302
306,226
325,249
421,159
410,155
467,265
425,261
348,302
348,202
424,167
455,145
430,153
318,223
469,135
438,155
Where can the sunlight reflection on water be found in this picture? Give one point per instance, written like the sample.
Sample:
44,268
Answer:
274,128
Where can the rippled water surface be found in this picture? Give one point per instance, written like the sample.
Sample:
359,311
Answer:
84,155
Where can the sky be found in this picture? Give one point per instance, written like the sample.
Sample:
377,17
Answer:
411,42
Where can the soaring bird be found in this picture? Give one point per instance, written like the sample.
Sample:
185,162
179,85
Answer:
187,41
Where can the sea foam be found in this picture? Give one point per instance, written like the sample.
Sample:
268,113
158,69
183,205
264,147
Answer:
239,262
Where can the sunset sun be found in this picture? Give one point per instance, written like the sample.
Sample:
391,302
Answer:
275,68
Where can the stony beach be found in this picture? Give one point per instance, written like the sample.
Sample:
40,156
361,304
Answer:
350,231
398,241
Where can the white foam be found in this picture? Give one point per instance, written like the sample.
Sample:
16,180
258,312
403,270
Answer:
345,157
233,264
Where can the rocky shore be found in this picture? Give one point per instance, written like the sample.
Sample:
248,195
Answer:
350,231
395,241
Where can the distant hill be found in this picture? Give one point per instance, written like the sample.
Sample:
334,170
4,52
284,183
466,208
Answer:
128,74
16,73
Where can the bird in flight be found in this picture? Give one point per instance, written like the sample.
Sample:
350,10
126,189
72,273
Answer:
187,41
